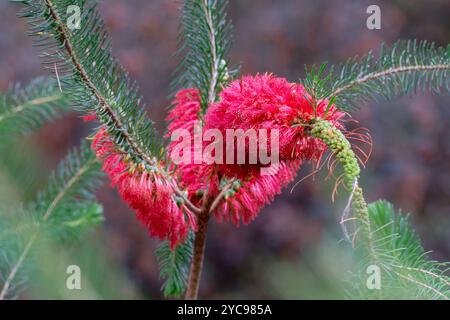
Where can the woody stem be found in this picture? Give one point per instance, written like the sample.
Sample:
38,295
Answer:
197,255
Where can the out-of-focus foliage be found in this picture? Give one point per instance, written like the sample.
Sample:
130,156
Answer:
405,271
174,266
25,109
65,210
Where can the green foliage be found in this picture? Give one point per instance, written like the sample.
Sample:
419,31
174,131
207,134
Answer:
23,109
204,42
406,271
65,210
405,67
174,266
381,237
75,179
90,74
12,244
74,220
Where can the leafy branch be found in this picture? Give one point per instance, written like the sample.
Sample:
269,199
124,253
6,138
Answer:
25,108
405,67
381,237
174,266
65,209
405,268
204,43
91,74
96,80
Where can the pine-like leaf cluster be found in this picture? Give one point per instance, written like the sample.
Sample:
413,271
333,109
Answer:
23,109
90,74
174,266
406,272
204,42
65,210
68,203
405,67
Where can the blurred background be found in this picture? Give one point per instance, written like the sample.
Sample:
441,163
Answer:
292,249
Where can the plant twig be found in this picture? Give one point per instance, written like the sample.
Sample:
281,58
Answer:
385,73
197,256
187,202
220,196
215,61
28,104
12,274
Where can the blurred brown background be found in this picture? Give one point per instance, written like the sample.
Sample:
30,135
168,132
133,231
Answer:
281,253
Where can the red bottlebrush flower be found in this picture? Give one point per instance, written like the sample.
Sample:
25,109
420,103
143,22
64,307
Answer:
90,117
250,193
246,200
193,176
147,192
268,102
185,112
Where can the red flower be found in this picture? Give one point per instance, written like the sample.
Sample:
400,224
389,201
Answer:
260,102
185,111
184,115
90,117
245,201
147,192
268,102
251,191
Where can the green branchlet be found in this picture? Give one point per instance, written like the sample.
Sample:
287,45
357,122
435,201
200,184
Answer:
23,109
341,148
402,68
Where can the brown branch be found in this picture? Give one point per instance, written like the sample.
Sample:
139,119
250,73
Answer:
220,196
198,255
210,204
187,202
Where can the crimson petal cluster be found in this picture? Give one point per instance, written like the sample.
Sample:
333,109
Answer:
269,102
253,102
146,191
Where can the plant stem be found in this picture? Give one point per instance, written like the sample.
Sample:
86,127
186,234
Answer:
197,256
